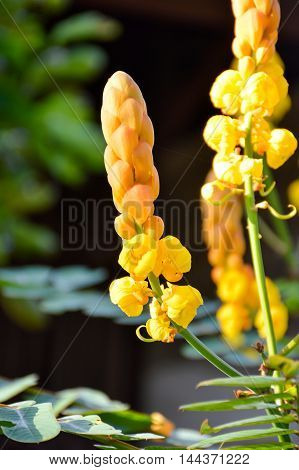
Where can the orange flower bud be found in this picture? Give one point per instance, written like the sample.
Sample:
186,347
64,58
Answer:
121,178
125,227
138,203
142,160
154,225
240,6
123,141
240,47
109,158
147,130
264,6
251,26
131,114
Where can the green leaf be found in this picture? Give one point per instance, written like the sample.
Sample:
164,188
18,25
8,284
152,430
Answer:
35,423
256,402
30,275
70,301
59,400
257,420
128,421
251,381
93,427
87,426
290,293
241,436
287,366
11,388
265,446
89,25
77,277
184,436
96,400
79,63
24,312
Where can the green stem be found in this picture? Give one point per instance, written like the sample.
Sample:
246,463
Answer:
280,226
194,342
257,258
288,348
209,355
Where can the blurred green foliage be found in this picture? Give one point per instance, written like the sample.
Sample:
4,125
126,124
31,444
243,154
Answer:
48,132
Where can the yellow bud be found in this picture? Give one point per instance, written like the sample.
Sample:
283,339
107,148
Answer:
161,425
246,66
129,295
154,226
233,285
240,6
221,134
138,203
227,168
173,259
282,146
225,92
279,314
250,26
181,303
125,227
138,256
233,319
260,92
158,327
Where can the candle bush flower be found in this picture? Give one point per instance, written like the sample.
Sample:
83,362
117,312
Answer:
135,186
246,144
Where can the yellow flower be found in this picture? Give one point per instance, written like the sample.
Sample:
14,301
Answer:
221,133
158,326
233,285
293,193
275,71
173,259
272,290
129,295
260,93
260,133
181,303
138,256
233,319
225,92
253,167
227,168
279,315
161,425
282,146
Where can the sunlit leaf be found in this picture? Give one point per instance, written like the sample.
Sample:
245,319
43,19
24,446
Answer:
252,381
35,423
11,388
85,26
256,402
241,436
206,428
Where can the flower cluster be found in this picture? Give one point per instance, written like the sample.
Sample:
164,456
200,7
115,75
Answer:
235,281
250,95
134,180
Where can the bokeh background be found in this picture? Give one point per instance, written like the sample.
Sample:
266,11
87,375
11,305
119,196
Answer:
51,149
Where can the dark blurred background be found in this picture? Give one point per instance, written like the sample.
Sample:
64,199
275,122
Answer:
173,50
